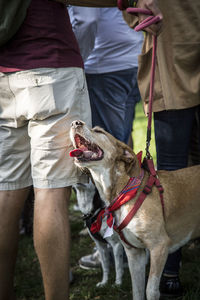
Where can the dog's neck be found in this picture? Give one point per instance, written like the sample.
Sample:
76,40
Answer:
109,182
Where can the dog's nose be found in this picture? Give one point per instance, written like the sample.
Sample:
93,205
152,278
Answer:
77,123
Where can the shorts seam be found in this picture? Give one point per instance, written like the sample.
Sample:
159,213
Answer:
15,185
59,184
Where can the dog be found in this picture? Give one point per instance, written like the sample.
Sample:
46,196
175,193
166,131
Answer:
90,204
111,163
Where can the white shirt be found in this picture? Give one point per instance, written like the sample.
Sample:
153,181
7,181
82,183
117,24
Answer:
106,42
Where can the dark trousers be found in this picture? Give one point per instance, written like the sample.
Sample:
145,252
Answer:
173,132
113,97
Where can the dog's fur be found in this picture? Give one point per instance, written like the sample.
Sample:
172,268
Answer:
110,171
85,196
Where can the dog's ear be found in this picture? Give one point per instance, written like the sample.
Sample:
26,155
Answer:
132,165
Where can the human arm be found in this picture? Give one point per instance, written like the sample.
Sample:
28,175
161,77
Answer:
90,3
144,4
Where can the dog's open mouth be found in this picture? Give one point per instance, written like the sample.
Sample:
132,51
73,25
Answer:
85,150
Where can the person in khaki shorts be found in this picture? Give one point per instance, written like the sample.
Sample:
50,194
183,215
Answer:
42,90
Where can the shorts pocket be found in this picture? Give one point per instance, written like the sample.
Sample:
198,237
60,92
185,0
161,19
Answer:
80,79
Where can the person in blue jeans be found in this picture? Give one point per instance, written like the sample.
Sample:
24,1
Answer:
110,52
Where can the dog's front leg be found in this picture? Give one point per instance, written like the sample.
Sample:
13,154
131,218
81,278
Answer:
137,266
118,253
105,262
105,259
158,257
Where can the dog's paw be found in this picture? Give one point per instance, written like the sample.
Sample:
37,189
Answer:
118,283
101,284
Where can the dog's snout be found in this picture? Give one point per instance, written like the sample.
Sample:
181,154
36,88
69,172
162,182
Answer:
77,123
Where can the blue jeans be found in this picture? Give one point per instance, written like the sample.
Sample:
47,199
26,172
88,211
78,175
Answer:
113,97
173,132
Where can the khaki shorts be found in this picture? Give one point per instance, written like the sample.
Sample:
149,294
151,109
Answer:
36,110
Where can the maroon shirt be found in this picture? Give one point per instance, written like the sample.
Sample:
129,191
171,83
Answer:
45,39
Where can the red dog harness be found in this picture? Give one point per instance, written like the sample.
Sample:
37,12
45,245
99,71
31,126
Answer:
128,193
152,180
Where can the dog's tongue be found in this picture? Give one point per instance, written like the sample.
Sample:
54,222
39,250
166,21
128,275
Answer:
76,153
81,153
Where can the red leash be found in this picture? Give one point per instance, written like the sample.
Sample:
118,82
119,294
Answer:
147,22
147,162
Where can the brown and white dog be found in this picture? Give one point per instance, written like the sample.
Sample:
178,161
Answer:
111,163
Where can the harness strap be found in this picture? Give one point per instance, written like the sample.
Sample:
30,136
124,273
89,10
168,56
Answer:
152,180
122,237
149,165
128,193
147,189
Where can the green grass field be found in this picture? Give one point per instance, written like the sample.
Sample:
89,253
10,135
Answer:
28,282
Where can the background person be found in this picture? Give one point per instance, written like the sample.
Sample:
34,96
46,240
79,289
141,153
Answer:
42,90
176,96
110,51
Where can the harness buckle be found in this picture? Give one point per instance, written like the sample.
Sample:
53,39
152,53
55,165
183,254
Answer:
147,189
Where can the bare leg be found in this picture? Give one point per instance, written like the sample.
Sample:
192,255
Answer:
51,240
11,205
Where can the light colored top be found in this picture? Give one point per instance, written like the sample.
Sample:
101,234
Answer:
106,42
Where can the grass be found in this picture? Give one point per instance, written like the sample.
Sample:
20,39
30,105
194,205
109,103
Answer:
28,281
140,131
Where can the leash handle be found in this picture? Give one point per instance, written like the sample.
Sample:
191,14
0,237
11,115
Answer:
147,22
135,10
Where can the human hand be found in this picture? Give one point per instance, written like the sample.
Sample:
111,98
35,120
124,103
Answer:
152,5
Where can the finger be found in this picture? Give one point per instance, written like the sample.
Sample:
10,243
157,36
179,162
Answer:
153,29
155,9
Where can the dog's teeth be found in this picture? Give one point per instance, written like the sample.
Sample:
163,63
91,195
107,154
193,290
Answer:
88,154
94,155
